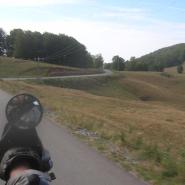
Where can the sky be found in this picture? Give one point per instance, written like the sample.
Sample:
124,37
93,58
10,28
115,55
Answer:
110,27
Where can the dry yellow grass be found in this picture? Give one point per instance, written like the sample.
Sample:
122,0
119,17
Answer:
173,69
153,131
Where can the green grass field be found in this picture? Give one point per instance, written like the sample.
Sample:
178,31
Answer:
10,67
21,68
138,117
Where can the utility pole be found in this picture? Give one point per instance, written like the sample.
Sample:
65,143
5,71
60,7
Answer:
64,59
117,63
38,67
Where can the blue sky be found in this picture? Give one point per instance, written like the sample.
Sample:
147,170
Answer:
124,27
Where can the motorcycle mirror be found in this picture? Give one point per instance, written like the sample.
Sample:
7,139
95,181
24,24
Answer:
24,111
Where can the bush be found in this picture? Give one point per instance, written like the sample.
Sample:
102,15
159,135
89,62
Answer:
123,138
180,69
137,143
153,152
171,169
170,166
166,75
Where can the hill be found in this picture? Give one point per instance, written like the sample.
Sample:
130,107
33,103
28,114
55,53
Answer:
11,67
158,60
135,118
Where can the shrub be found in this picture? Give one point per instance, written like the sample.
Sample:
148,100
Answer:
137,143
170,166
180,69
167,75
153,152
123,137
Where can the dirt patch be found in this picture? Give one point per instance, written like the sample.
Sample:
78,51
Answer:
145,98
59,71
63,72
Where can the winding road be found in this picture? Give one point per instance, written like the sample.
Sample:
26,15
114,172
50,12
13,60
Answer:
106,73
74,162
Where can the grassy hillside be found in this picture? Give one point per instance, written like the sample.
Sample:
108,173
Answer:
138,118
160,59
10,67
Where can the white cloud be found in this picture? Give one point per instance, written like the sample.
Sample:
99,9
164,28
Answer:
30,3
177,8
125,38
125,13
128,10
110,38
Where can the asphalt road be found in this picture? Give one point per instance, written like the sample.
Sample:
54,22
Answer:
74,162
106,73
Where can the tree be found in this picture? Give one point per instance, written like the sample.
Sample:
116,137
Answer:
16,44
118,63
132,59
98,61
2,41
56,49
108,66
180,69
160,59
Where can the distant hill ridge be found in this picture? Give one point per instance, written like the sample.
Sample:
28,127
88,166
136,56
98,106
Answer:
160,59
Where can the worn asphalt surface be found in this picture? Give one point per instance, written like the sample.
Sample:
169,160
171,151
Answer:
105,73
74,162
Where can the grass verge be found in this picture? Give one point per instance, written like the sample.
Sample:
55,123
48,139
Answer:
138,118
10,67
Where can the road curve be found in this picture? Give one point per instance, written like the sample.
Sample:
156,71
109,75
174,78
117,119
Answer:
74,162
106,73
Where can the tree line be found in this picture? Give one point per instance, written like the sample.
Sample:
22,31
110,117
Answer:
51,48
61,49
117,64
156,61
160,59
